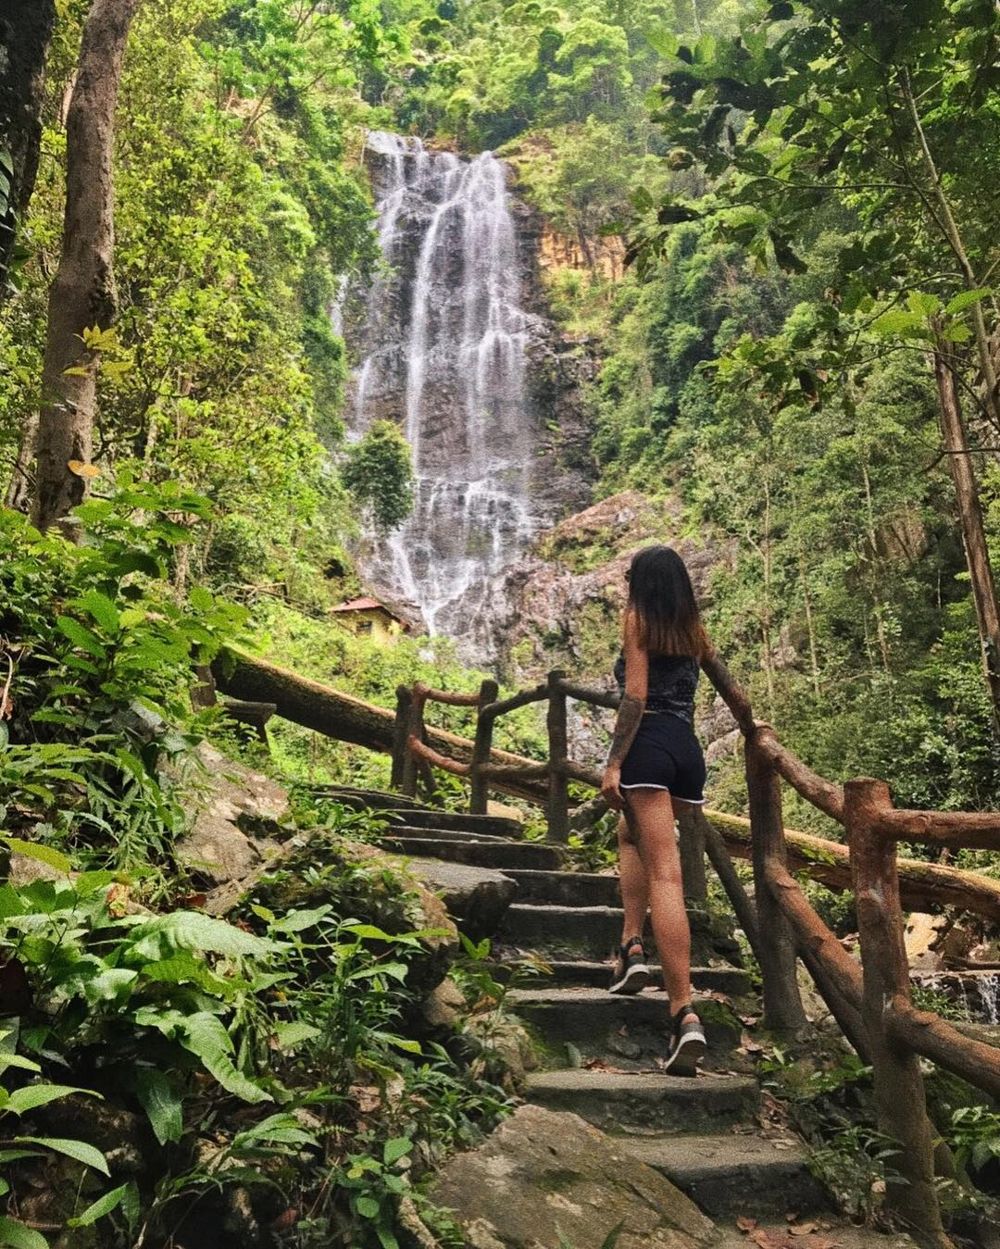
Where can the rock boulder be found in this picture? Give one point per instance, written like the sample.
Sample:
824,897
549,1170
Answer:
476,898
545,1178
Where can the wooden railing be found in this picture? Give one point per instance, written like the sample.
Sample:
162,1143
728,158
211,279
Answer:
870,998
411,753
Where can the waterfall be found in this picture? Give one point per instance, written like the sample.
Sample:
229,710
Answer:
442,351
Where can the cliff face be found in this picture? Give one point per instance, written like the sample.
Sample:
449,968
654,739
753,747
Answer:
453,342
568,596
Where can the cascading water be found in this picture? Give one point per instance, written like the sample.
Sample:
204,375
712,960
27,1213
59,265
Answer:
443,351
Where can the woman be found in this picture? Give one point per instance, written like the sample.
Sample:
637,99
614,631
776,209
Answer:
655,766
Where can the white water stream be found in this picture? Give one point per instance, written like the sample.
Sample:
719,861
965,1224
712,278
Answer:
443,352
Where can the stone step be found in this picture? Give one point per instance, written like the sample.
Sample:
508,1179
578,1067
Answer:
735,1173
593,932
460,821
586,973
590,932
647,1103
360,799
444,834
629,1031
567,888
498,854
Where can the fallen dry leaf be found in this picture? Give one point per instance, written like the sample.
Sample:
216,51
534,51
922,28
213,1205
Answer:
802,1229
745,1223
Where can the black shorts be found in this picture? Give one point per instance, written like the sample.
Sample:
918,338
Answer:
666,755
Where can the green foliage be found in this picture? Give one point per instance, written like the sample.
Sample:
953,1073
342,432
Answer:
100,652
379,475
194,1016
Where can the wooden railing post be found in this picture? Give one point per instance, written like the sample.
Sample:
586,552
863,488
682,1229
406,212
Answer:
558,804
479,788
782,1002
400,730
414,729
900,1102
692,847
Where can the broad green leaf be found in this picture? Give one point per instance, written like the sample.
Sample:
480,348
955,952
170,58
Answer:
39,853
298,921
208,1040
394,1149
101,608
965,299
111,984
19,1061
98,1209
81,636
367,1207
191,930
16,1236
368,932
34,1095
79,1150
386,1237
159,1097
663,41
897,322
923,304
288,1035
187,968
282,1128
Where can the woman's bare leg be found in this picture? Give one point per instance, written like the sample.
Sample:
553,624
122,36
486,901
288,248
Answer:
632,881
653,814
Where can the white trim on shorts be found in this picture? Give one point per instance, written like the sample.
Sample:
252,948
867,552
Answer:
695,802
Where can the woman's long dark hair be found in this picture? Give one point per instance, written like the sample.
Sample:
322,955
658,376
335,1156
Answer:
662,597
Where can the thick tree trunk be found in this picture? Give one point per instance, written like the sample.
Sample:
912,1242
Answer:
25,32
328,711
977,556
83,294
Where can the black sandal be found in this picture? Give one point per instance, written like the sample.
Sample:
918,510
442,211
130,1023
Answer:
631,974
687,1044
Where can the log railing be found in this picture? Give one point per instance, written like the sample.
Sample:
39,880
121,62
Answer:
869,997
412,753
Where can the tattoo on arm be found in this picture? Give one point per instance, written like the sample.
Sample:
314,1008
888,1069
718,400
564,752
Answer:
626,726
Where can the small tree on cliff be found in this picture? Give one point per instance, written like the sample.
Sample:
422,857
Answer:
82,300
379,474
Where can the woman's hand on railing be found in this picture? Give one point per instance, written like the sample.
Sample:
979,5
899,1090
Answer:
611,787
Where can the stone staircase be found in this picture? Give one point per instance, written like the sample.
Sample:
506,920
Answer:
600,1052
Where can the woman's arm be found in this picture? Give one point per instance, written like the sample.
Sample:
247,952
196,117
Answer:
630,711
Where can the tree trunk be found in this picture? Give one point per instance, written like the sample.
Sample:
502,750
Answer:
977,556
83,294
348,719
25,33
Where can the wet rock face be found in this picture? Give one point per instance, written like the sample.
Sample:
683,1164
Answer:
454,344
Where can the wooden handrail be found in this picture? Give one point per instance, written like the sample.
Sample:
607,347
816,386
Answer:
428,694
583,694
534,695
439,760
961,830
923,885
817,791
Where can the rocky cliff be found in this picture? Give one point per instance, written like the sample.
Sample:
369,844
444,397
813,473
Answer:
453,342
568,595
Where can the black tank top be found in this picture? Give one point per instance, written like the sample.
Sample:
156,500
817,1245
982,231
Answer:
673,680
